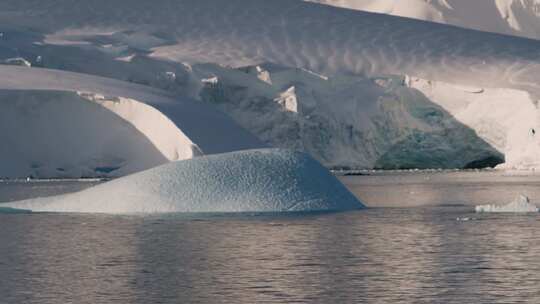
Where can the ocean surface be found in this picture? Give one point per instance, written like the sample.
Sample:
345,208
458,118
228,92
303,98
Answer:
419,242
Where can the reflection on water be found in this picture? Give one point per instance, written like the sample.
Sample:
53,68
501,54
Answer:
408,189
416,255
378,255
19,190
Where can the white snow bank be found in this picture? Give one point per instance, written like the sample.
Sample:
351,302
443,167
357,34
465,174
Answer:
520,205
59,134
50,131
212,131
269,180
158,128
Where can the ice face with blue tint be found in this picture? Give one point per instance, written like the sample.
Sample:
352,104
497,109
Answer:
267,180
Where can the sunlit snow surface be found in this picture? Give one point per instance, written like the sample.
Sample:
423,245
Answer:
460,82
269,180
520,205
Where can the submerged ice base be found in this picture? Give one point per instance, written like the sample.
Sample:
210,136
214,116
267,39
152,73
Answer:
268,180
520,205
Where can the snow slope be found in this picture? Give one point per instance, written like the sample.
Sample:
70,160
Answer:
55,134
511,17
54,123
250,181
291,33
159,44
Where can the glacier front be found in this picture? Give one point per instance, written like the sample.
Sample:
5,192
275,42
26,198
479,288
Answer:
266,180
352,88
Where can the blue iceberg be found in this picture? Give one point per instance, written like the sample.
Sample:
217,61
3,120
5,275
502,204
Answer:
267,180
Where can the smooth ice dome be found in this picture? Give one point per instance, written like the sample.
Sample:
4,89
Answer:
520,205
268,180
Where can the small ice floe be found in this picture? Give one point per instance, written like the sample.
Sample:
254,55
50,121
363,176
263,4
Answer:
520,205
18,61
465,219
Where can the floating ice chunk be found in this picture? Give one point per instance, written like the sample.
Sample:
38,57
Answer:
211,81
465,219
18,61
520,205
268,180
13,210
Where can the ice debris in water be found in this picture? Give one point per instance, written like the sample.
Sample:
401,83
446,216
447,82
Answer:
520,205
465,219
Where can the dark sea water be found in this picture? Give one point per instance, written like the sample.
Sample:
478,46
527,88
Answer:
409,247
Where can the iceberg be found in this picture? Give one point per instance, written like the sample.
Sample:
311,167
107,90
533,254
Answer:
266,180
520,205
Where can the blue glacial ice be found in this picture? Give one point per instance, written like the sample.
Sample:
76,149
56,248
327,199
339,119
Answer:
267,180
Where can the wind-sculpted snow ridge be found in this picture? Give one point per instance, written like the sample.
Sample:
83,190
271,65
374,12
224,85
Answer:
299,34
520,205
511,17
270,180
49,127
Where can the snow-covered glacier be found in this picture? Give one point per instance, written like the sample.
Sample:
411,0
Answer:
291,33
353,88
267,180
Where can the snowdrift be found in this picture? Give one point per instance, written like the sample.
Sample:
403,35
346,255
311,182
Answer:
250,181
520,205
